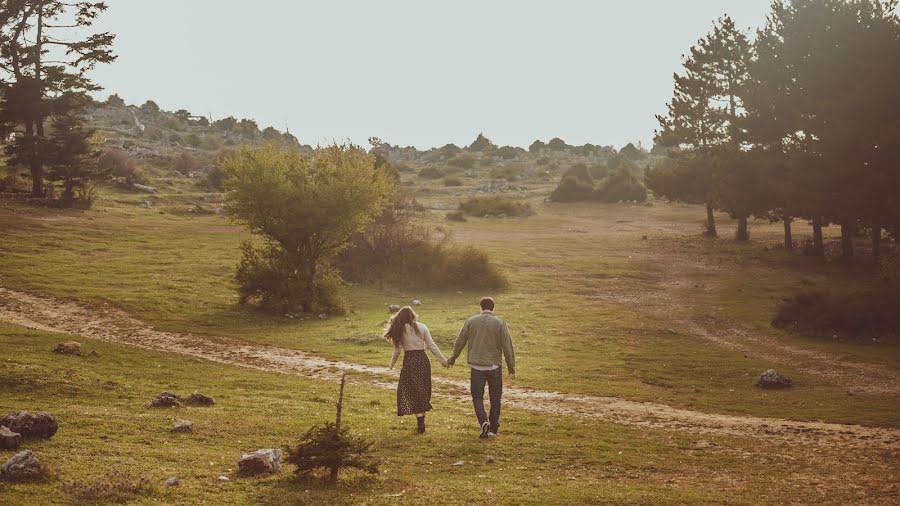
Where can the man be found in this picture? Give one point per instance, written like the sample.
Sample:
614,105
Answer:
487,337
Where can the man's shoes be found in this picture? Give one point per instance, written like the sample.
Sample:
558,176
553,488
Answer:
485,429
491,435
421,422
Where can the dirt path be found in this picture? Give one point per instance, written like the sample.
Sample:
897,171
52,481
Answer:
113,325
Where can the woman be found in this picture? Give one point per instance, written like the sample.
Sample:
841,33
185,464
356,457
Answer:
414,389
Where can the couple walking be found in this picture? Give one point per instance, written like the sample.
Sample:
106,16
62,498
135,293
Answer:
485,336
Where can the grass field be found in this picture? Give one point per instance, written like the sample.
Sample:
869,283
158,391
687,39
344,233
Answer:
582,285
105,424
607,300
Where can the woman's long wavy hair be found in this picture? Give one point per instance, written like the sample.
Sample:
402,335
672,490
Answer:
397,325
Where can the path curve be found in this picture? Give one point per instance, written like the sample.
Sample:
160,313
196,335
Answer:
113,325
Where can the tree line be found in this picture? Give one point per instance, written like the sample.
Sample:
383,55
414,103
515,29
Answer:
799,121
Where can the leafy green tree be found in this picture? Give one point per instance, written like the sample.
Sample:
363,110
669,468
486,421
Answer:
39,65
305,208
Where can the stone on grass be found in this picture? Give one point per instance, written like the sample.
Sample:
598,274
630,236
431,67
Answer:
198,399
772,379
224,478
165,400
171,482
183,426
31,426
393,308
265,461
9,440
417,302
490,459
23,466
68,348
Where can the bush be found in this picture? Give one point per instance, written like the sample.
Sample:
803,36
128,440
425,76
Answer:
119,164
116,486
495,206
267,277
396,251
456,216
452,181
328,448
599,171
470,267
572,189
855,315
621,186
431,173
185,164
507,172
463,161
580,172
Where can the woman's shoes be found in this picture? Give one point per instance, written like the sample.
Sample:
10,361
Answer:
421,421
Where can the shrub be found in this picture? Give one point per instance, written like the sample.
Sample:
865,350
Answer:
462,160
599,171
621,186
267,277
185,164
119,164
456,216
495,206
325,447
470,267
116,486
395,250
580,172
860,314
507,172
452,181
431,173
572,189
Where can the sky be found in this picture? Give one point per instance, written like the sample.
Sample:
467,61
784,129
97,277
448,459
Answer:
414,72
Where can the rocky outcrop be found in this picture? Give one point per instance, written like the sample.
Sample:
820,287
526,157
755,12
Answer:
183,426
31,426
266,461
165,400
772,379
198,399
9,440
68,348
23,466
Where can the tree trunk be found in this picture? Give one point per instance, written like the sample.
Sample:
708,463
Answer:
710,222
876,242
848,230
335,469
37,165
818,241
743,230
788,235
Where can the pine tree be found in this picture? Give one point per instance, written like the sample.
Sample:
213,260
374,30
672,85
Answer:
695,126
72,159
39,65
